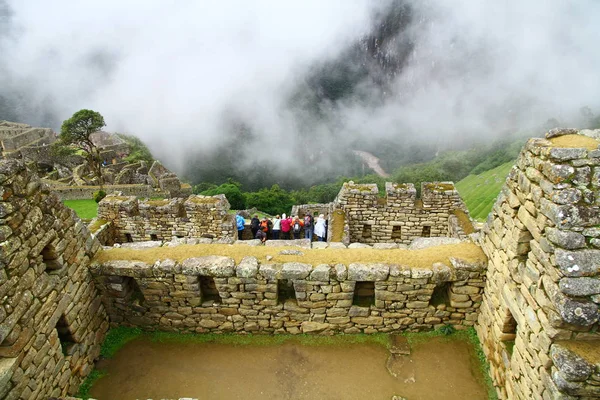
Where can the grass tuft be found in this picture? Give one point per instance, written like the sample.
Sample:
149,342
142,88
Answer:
117,338
85,209
86,385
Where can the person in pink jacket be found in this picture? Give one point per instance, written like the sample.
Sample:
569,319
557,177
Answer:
286,227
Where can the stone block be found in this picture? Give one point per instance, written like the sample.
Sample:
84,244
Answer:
368,272
247,268
216,266
295,270
571,366
313,327
580,287
578,263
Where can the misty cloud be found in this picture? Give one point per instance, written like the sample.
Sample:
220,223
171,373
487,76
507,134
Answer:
181,74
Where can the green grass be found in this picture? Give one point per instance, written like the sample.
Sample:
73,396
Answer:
85,209
480,191
86,385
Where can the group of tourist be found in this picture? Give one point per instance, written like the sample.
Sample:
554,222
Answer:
283,227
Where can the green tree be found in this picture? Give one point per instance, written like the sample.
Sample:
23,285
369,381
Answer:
77,131
272,201
138,151
233,193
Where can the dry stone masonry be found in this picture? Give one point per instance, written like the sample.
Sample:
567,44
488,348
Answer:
52,321
399,217
196,216
214,294
539,318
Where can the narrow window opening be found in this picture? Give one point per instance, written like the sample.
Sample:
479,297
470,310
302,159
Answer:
426,232
51,259
285,290
179,236
128,238
366,231
153,237
364,294
396,232
133,290
440,295
509,332
65,336
208,290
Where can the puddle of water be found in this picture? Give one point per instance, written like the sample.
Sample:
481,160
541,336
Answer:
144,369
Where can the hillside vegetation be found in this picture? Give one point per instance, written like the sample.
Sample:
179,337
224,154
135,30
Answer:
480,191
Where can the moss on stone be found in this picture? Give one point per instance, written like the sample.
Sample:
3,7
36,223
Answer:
575,142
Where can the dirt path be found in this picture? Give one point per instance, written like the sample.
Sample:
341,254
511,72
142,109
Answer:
372,162
144,369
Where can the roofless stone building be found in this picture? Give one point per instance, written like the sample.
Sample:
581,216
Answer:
533,300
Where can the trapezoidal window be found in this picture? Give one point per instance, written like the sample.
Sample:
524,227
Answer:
128,238
153,237
65,336
208,289
50,258
366,232
133,291
509,332
364,294
440,295
396,232
285,290
426,232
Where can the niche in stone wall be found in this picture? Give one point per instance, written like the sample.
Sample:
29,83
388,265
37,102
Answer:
128,238
509,331
364,294
153,237
285,290
366,231
396,232
208,289
426,231
440,295
50,258
65,336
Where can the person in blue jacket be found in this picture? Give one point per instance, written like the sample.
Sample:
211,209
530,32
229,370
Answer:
239,221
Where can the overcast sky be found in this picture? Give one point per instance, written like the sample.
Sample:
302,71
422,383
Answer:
174,72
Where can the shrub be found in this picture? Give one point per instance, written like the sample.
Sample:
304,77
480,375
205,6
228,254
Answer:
99,195
447,330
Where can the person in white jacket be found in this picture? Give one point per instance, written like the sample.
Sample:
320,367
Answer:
276,227
320,229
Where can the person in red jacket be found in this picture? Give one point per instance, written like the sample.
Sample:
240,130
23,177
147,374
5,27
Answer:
286,226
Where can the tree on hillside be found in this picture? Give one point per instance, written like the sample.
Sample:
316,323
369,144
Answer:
77,131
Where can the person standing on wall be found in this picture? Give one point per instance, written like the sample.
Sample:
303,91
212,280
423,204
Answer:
276,227
309,226
286,226
254,225
240,222
320,228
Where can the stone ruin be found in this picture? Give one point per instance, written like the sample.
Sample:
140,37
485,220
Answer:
20,141
533,298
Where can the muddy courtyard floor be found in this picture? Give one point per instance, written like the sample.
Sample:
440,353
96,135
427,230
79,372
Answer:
146,369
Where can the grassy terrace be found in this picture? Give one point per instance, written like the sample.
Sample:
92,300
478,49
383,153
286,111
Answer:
480,191
414,258
85,209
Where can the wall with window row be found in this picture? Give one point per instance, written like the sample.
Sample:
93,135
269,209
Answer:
400,216
52,321
214,294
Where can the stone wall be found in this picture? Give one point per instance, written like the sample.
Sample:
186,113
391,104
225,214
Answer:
540,306
214,294
52,321
192,217
399,217
87,192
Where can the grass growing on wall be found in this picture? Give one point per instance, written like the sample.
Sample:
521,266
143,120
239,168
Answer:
480,191
85,209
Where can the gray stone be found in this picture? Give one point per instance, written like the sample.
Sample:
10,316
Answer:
570,365
142,245
399,270
320,245
7,368
592,232
423,242
566,196
577,312
291,253
578,263
560,132
270,271
337,245
216,266
566,154
252,242
304,243
341,272
579,287
368,272
385,246
565,239
247,268
358,246
320,273
295,270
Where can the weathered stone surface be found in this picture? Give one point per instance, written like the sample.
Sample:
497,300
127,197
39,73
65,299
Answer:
217,266
295,270
560,132
570,365
423,243
567,154
142,245
320,273
580,287
313,327
341,272
247,268
577,312
566,239
385,246
358,246
288,252
303,243
368,272
578,263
